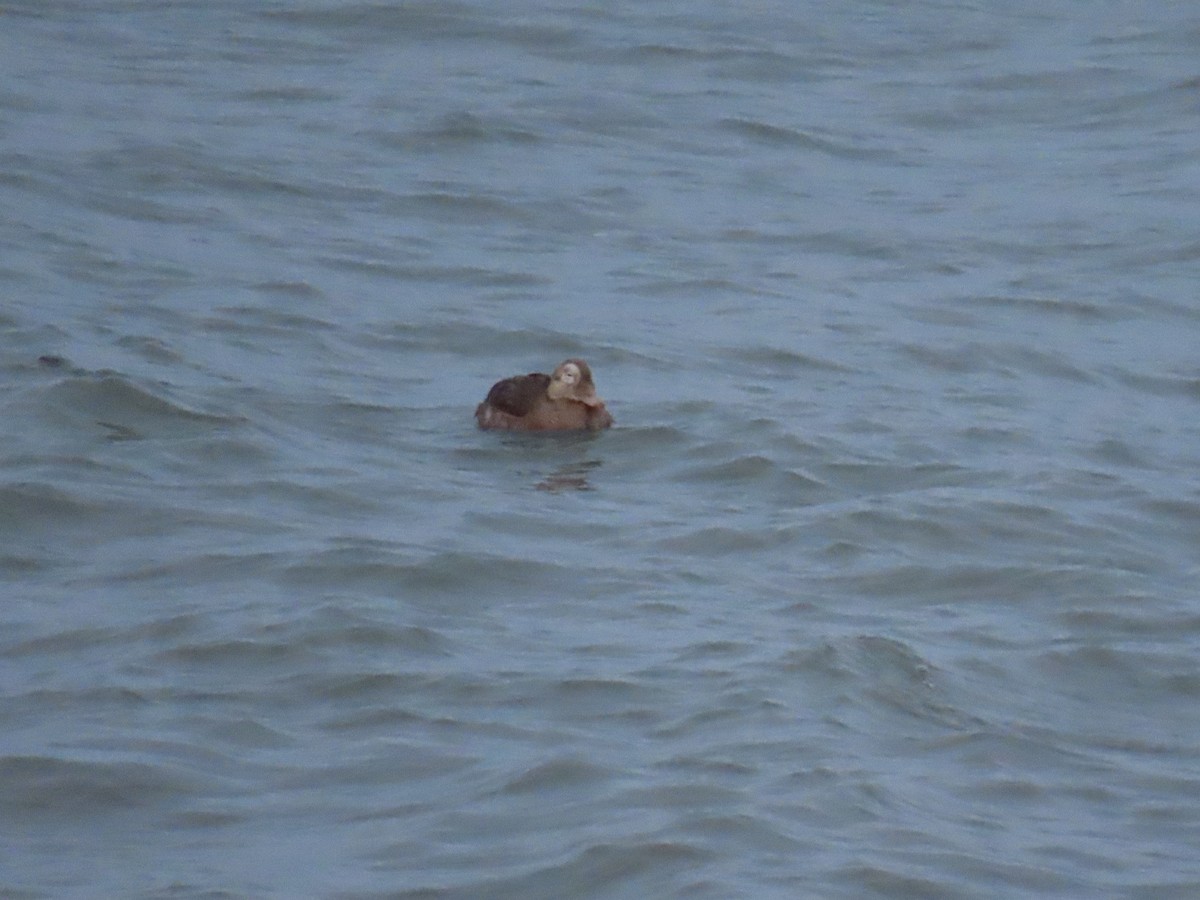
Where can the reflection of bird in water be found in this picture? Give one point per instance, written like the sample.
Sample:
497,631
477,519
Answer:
562,401
572,477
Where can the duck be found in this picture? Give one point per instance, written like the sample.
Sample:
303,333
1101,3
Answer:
564,400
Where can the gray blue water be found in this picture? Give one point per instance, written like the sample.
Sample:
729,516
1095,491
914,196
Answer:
885,583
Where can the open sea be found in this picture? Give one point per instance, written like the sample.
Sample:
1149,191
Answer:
886,583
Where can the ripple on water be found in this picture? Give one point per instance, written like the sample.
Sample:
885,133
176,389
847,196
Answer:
463,580
118,409
57,787
564,774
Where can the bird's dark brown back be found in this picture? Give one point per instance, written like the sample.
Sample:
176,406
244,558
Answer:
517,395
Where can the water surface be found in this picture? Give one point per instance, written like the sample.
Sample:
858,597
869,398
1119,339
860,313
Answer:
882,585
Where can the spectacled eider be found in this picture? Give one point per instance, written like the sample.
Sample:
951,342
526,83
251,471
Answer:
562,401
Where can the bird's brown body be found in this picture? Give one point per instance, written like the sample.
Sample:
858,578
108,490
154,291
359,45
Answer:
563,401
